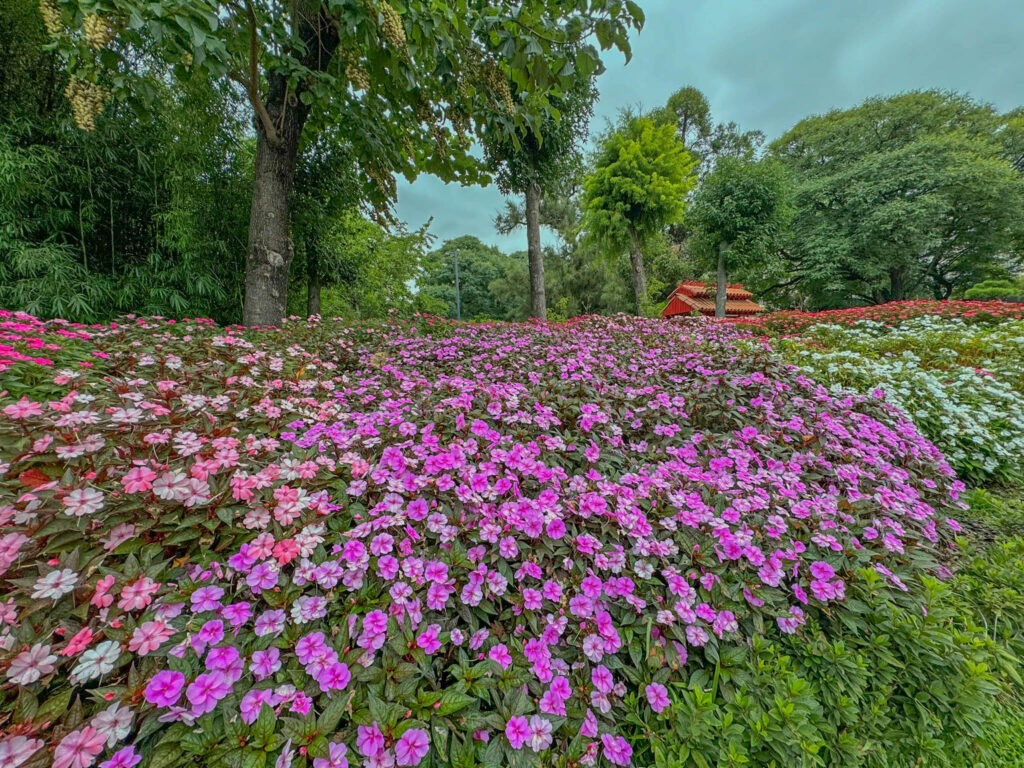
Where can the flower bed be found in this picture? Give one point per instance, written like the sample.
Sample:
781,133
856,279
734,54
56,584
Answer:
793,322
961,383
607,541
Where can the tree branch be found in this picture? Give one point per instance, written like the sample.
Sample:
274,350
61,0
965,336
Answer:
251,82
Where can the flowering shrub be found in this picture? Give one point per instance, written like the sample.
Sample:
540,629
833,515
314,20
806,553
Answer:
895,312
962,384
383,545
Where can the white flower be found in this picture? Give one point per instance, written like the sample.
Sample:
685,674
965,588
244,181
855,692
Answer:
114,722
95,662
55,584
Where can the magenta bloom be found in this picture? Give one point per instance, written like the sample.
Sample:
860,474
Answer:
265,663
123,758
206,690
411,747
616,749
369,740
657,696
165,688
500,654
602,679
822,571
517,731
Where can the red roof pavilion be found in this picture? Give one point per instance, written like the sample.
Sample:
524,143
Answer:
694,296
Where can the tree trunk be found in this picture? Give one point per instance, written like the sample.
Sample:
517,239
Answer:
270,243
538,299
312,278
636,262
721,291
279,122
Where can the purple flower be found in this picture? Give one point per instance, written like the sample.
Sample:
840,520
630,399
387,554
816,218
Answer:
517,731
657,696
253,702
165,688
206,690
500,655
411,747
369,740
616,749
265,663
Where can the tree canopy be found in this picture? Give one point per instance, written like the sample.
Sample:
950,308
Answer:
410,84
909,194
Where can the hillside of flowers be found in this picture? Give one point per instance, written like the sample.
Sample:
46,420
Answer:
611,541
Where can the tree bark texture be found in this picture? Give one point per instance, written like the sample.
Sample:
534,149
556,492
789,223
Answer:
538,298
721,291
636,263
270,244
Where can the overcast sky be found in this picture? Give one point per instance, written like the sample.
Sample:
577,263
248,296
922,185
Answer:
767,64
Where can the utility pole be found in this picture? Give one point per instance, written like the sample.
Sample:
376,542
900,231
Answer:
458,295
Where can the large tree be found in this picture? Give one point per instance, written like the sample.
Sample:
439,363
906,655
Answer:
638,185
910,195
738,215
406,82
535,162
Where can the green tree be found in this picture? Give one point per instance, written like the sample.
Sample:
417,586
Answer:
904,196
534,163
640,179
491,284
738,215
689,111
407,82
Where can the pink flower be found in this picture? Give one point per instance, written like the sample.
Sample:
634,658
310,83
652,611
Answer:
29,666
517,731
138,479
83,501
23,409
657,696
16,750
165,688
369,740
79,748
500,655
411,747
206,690
149,636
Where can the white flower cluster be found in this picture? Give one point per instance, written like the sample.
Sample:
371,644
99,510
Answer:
961,384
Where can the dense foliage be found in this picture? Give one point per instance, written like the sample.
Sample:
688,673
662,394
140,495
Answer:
629,542
902,197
